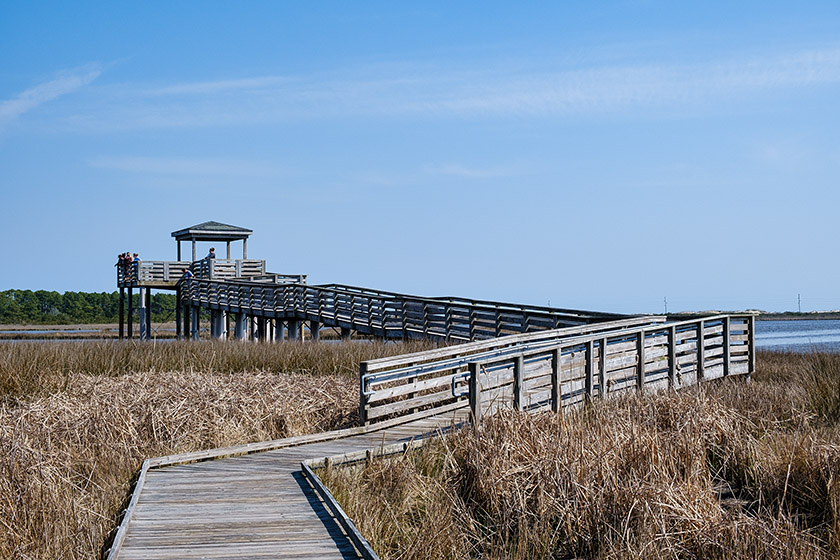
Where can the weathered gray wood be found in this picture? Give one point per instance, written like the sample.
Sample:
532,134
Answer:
475,393
518,388
701,354
556,397
672,357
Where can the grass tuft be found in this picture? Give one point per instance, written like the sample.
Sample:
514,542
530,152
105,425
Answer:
728,470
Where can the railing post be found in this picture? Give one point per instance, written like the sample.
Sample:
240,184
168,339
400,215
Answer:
640,354
363,370
672,357
726,348
166,271
602,367
475,393
447,320
588,370
472,322
556,397
751,343
518,383
701,351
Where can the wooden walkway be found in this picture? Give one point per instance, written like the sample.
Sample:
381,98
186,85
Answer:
250,506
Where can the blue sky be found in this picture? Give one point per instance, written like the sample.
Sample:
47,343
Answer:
599,156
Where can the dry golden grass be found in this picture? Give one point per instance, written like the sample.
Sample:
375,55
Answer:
725,471
77,419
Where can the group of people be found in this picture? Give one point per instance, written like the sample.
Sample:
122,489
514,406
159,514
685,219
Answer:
124,262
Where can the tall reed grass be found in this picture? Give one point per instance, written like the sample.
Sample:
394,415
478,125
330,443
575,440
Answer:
77,419
729,470
37,368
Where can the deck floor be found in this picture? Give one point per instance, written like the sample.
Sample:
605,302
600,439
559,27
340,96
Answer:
251,506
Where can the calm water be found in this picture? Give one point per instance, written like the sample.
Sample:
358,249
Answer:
792,336
798,336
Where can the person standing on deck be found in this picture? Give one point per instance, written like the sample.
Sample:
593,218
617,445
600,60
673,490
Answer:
211,254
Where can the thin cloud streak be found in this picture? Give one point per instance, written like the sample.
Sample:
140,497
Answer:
464,94
67,82
186,166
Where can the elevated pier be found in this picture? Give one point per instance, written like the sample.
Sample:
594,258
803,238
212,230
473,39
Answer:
266,500
245,301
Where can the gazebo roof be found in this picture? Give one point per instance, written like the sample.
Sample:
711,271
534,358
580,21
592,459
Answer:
212,231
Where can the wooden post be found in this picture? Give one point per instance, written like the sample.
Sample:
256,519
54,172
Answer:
472,322
261,328
228,251
122,312
179,250
701,351
294,329
130,313
240,325
751,342
178,313
589,385
640,368
148,313
602,367
142,313
279,330
556,397
345,333
518,383
672,357
244,248
726,348
193,250
475,393
315,330
186,313
363,369
196,329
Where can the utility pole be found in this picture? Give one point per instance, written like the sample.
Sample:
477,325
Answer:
799,301
666,305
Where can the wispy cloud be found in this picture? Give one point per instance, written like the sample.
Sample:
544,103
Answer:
66,82
445,92
466,172
187,166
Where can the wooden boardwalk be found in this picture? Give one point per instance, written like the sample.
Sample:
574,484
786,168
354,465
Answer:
250,506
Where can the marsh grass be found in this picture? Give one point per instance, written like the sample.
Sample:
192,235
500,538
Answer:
728,470
77,419
37,368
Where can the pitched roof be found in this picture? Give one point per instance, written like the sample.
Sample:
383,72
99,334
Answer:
212,231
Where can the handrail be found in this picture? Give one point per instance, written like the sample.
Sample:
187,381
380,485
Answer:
394,386
707,349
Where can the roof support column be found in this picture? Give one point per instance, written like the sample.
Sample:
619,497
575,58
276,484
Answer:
193,243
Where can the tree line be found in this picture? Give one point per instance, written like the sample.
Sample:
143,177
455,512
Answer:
52,308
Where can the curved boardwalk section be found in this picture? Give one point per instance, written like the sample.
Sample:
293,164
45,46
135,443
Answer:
250,506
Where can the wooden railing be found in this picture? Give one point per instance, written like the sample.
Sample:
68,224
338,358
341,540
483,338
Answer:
559,368
384,314
150,272
168,273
